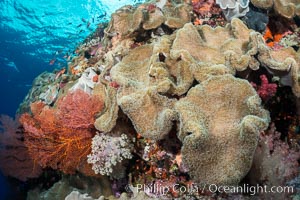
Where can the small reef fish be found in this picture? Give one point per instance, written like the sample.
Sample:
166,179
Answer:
51,62
60,72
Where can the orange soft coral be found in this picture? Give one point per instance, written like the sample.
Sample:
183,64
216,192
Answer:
272,38
60,137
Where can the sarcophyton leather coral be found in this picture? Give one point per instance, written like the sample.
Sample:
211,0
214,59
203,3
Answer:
154,79
234,49
60,137
286,8
142,80
220,120
127,21
234,8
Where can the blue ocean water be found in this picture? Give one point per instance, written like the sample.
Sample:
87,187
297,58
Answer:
34,32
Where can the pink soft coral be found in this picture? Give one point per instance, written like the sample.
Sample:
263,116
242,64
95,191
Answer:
274,163
266,90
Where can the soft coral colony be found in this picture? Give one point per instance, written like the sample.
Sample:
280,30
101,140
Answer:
173,92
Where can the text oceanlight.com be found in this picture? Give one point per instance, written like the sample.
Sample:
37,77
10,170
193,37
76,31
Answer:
160,189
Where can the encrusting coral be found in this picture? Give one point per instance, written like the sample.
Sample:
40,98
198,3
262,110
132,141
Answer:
220,121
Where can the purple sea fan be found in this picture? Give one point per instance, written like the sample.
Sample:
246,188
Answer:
108,151
14,157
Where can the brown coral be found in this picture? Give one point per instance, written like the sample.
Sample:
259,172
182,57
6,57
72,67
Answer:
233,49
216,50
128,20
286,8
220,121
150,112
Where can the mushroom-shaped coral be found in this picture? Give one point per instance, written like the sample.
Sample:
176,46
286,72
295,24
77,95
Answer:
127,21
220,121
233,49
218,50
144,78
177,14
286,8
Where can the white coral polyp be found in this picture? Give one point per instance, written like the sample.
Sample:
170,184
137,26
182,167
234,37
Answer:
107,151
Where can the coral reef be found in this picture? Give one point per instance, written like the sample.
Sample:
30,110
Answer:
40,90
256,19
152,115
126,21
169,93
207,12
86,82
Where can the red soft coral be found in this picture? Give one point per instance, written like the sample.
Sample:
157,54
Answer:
266,90
60,137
